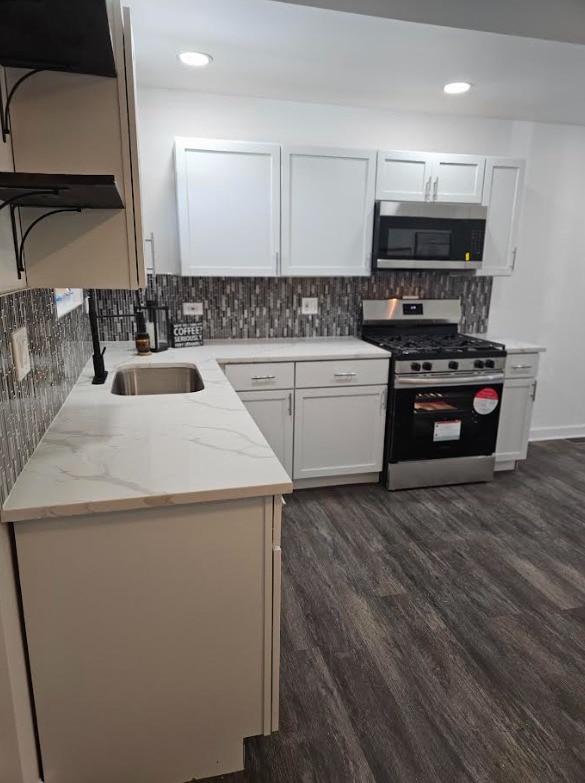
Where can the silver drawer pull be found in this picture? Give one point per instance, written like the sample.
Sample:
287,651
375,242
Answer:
264,377
345,374
521,366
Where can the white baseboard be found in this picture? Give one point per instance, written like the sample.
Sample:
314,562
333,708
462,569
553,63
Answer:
558,433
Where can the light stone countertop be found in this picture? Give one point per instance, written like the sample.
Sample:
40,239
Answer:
512,346
105,452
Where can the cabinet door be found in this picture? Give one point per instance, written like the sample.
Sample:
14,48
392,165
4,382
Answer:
273,413
339,432
503,191
403,176
228,197
67,123
458,179
515,418
327,211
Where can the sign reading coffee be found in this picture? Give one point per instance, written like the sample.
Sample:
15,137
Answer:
187,335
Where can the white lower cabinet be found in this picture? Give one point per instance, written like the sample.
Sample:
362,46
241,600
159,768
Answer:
515,418
339,432
273,413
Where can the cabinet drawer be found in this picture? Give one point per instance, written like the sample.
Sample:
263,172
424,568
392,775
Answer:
522,365
360,372
269,375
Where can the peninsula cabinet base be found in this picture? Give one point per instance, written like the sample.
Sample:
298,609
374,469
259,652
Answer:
153,638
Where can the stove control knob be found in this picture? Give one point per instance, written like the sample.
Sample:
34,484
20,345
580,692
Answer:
427,366
479,363
490,364
415,366
453,365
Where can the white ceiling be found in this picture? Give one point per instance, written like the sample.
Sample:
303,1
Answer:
294,52
554,20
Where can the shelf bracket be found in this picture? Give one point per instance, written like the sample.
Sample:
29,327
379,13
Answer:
28,194
19,246
5,107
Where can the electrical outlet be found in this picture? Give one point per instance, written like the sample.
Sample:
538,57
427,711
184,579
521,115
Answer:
21,353
310,305
192,308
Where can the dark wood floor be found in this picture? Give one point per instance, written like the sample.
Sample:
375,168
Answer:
435,636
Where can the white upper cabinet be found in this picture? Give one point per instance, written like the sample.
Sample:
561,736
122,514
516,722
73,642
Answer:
404,176
428,176
503,191
458,179
328,200
228,197
67,123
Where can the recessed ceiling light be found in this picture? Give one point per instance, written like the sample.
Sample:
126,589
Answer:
457,88
195,59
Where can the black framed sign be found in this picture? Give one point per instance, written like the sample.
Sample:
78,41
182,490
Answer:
187,335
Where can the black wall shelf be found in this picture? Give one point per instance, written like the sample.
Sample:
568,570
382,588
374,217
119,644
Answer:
56,192
53,35
57,35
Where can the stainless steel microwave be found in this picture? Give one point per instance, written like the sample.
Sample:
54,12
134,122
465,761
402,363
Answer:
428,236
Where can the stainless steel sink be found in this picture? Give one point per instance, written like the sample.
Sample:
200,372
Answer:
157,379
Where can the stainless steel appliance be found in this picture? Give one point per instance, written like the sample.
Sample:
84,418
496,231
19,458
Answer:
428,236
445,393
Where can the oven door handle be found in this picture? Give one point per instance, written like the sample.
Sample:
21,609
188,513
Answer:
426,381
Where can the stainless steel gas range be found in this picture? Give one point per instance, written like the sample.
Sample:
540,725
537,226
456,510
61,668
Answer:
445,393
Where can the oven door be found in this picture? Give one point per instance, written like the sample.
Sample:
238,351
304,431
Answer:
437,416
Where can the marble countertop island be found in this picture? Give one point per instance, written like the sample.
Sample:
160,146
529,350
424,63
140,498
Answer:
105,452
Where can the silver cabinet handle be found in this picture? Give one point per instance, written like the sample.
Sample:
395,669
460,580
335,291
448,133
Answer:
345,374
436,189
521,366
428,189
152,255
277,257
384,400
290,404
264,377
534,390
514,258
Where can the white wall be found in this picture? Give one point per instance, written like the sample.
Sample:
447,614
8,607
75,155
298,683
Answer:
540,302
544,301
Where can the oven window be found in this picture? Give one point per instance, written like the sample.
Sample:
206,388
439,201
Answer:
447,421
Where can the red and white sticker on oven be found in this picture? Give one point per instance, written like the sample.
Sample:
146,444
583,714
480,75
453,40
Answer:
486,401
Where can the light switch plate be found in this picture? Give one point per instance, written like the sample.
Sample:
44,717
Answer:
192,308
310,305
21,353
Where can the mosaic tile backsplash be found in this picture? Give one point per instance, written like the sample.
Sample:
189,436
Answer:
270,307
59,351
